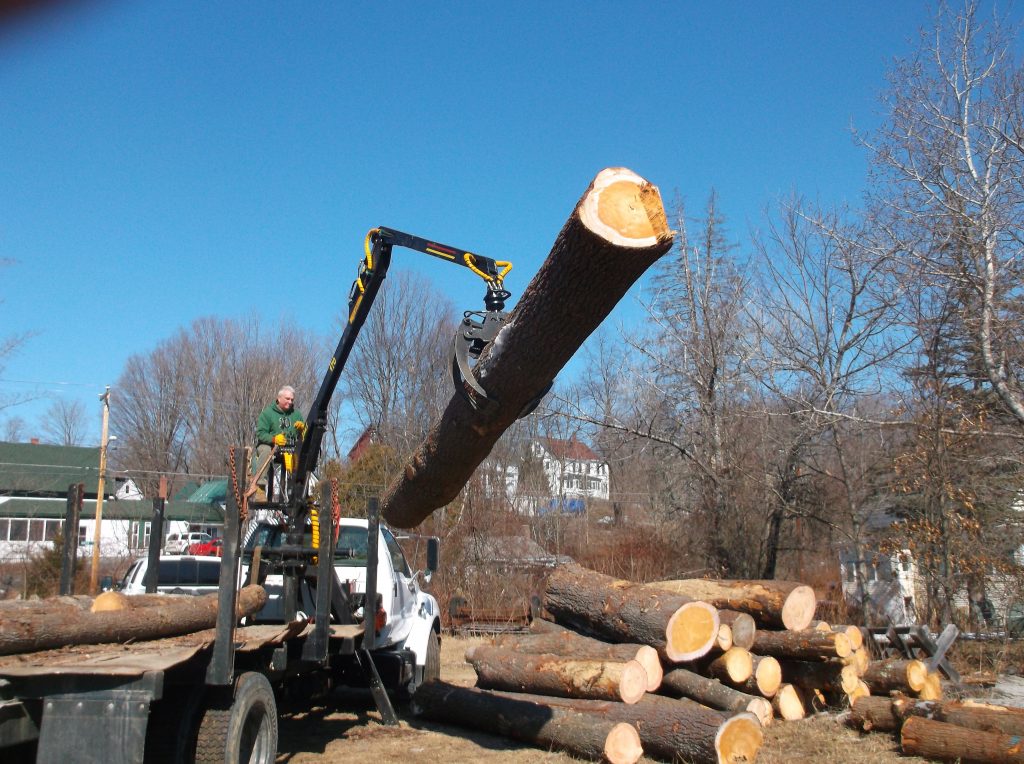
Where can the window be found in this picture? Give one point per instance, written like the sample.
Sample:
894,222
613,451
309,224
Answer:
397,556
51,529
4,528
19,530
36,529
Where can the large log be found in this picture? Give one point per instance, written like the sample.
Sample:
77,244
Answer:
678,728
531,719
906,676
786,604
568,643
545,674
802,645
888,714
680,629
616,232
64,624
951,742
714,694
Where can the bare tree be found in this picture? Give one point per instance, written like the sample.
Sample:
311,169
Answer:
14,429
398,377
826,325
179,407
949,180
64,422
9,345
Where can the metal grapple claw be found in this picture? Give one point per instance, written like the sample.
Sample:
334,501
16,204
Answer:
477,330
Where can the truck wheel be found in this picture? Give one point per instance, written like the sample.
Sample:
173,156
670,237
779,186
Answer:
244,731
432,665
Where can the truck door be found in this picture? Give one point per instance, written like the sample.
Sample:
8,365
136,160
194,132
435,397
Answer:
403,604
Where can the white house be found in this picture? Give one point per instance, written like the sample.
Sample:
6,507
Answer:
566,475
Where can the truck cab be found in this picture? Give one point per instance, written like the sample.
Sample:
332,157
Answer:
407,619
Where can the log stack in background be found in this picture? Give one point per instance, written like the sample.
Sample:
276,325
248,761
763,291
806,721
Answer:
695,668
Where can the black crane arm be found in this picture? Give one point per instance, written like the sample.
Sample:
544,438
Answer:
372,271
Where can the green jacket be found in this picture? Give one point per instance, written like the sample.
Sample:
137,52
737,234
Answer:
273,420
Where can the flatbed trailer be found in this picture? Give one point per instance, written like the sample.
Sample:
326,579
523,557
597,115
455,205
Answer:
206,696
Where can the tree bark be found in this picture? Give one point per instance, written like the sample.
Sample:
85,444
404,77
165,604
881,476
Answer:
743,626
951,742
714,694
778,604
569,644
678,728
69,624
617,230
531,719
544,674
802,645
886,676
827,676
679,628
888,714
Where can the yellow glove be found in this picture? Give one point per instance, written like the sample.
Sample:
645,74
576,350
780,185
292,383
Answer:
300,427
279,439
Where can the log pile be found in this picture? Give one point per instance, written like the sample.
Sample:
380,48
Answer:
695,668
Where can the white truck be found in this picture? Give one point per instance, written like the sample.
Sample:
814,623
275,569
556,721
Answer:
344,608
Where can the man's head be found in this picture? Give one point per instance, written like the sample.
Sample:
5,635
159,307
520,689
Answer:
286,398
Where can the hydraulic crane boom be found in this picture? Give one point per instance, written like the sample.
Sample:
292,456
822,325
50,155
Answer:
372,271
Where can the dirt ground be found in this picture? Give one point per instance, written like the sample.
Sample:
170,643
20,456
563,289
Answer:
350,730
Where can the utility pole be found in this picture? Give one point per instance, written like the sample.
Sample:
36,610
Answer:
94,575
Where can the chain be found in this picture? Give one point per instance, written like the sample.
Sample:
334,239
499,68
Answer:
335,509
241,500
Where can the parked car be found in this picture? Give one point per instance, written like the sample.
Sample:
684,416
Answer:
211,548
179,543
178,574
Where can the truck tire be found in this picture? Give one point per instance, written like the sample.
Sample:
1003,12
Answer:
432,665
244,731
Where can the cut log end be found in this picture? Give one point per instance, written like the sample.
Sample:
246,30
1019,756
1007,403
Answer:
860,691
762,709
917,675
739,739
768,675
787,703
648,657
622,746
798,609
109,602
632,682
691,632
932,689
624,209
736,664
724,641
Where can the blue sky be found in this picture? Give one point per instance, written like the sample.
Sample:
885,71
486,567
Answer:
166,160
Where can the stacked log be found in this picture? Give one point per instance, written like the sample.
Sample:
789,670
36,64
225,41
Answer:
721,671
949,730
